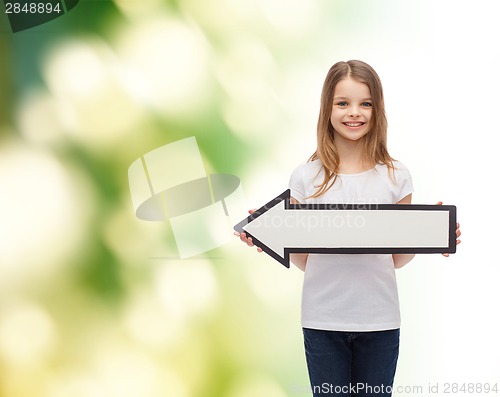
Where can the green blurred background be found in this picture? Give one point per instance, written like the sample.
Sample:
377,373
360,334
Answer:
95,302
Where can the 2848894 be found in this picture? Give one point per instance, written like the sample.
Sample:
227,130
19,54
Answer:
471,388
32,8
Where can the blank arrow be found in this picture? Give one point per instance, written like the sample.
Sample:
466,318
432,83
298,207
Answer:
281,228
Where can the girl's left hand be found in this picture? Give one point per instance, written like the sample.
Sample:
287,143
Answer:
458,232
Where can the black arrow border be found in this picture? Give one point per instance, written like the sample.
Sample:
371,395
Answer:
285,196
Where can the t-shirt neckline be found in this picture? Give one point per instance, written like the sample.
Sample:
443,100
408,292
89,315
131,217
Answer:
358,173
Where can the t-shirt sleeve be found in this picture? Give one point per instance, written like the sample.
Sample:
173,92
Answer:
296,185
404,181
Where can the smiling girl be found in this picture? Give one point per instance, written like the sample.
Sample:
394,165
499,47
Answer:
350,307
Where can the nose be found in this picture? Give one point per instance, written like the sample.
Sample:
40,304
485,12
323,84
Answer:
354,112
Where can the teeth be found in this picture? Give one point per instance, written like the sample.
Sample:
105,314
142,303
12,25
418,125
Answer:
353,124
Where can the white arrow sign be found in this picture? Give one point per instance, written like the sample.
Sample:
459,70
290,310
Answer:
281,228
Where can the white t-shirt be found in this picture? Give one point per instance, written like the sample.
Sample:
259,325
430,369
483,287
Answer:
351,292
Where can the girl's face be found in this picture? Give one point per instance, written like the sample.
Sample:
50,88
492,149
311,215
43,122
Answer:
352,110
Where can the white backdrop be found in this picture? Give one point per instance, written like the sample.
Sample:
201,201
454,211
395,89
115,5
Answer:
438,62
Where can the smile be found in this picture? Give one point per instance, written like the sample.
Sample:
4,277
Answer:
358,124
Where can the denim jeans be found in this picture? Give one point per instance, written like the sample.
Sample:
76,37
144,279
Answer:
351,363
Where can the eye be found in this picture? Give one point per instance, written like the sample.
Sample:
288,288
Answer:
366,104
342,103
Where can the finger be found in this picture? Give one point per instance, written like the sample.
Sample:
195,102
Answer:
252,211
459,241
439,203
237,234
446,255
259,249
250,242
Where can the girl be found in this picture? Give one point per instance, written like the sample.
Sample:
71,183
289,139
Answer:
350,308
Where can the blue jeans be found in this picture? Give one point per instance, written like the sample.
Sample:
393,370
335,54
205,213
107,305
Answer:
351,363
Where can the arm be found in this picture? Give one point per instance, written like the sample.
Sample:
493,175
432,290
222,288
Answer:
402,259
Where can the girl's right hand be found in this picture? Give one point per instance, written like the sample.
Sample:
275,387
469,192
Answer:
247,240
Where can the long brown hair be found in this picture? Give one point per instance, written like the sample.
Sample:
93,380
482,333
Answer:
375,141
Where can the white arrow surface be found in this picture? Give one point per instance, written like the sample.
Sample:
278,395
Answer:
280,228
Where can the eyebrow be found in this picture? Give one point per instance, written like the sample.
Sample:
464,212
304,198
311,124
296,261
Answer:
343,97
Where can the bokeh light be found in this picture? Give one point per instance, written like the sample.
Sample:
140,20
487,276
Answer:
18,344
85,79
45,212
169,59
